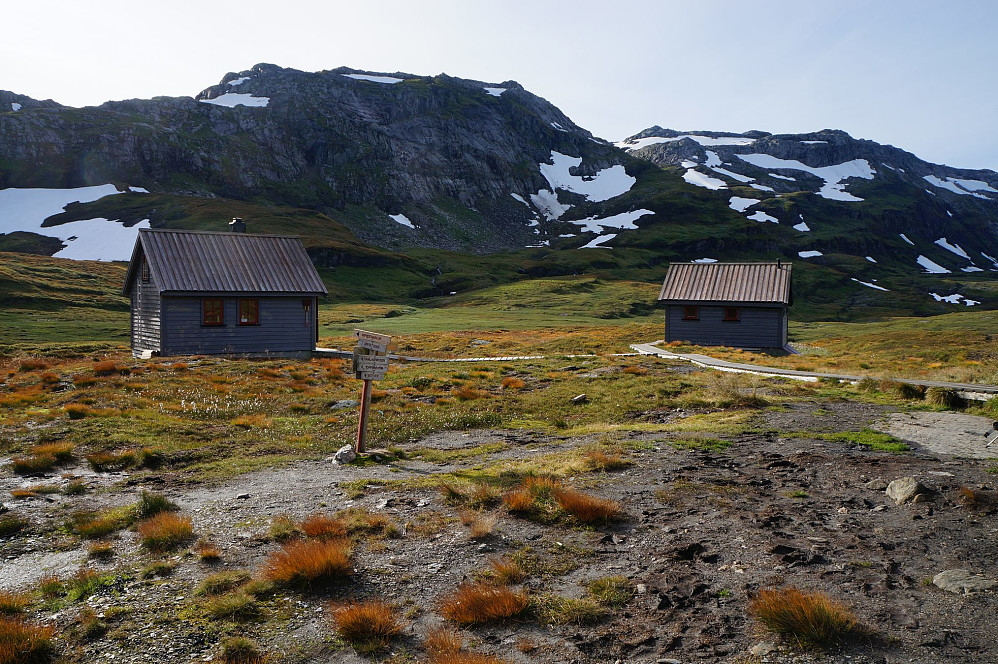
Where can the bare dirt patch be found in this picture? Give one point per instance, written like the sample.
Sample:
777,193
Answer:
705,531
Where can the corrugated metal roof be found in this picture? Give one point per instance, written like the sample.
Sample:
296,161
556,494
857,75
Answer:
727,282
201,262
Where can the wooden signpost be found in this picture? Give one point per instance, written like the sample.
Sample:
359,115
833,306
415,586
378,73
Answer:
370,362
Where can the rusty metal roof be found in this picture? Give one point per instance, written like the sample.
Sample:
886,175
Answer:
727,282
209,262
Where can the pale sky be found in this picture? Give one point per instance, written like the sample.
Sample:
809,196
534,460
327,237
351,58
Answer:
920,75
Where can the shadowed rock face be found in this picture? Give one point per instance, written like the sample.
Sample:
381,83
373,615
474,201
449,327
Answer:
319,140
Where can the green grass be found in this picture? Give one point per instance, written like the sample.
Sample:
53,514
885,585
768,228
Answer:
869,438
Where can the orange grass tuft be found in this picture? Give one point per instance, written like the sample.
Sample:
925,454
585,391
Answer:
511,383
24,643
465,658
442,640
310,562
12,603
476,603
165,531
586,508
518,501
506,571
62,452
36,463
105,368
598,460
807,618
323,526
367,626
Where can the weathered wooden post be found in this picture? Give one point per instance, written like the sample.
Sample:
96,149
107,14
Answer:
370,362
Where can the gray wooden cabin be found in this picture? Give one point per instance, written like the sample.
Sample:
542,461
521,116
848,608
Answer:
743,305
206,293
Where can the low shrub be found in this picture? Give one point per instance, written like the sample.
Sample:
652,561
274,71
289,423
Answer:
165,531
208,552
32,364
105,368
805,618
367,626
477,603
22,642
312,562
511,383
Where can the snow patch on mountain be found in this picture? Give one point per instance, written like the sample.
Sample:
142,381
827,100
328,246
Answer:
931,266
91,239
518,197
871,259
739,204
971,268
809,254
374,79
233,99
606,184
867,283
239,81
547,202
993,260
706,141
623,221
697,178
814,142
802,227
834,188
705,260
596,242
495,92
957,186
761,187
401,219
781,177
761,216
905,238
955,248
14,106
954,299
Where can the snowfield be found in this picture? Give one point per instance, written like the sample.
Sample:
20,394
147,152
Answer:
622,221
953,299
697,178
962,187
90,239
374,79
706,141
239,81
955,248
495,92
606,184
596,242
761,216
809,254
14,106
233,99
834,188
739,204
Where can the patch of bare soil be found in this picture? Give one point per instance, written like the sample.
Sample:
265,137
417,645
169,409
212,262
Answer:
705,531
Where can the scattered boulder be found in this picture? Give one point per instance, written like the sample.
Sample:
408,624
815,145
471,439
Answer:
344,455
343,403
878,484
905,489
962,582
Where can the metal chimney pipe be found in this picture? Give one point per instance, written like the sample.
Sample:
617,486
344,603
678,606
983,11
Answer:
237,225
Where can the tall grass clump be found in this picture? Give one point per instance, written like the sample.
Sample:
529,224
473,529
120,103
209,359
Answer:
35,463
165,531
240,650
323,526
63,452
477,603
312,562
24,643
150,504
805,618
367,626
945,397
13,603
586,508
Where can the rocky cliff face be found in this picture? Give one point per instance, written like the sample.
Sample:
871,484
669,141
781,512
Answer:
441,151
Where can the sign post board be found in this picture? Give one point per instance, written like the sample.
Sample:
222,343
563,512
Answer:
370,362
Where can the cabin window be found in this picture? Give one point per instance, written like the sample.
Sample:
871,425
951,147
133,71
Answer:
212,311
145,272
249,312
691,313
731,314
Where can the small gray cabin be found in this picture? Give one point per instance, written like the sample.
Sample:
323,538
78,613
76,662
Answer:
205,293
743,305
